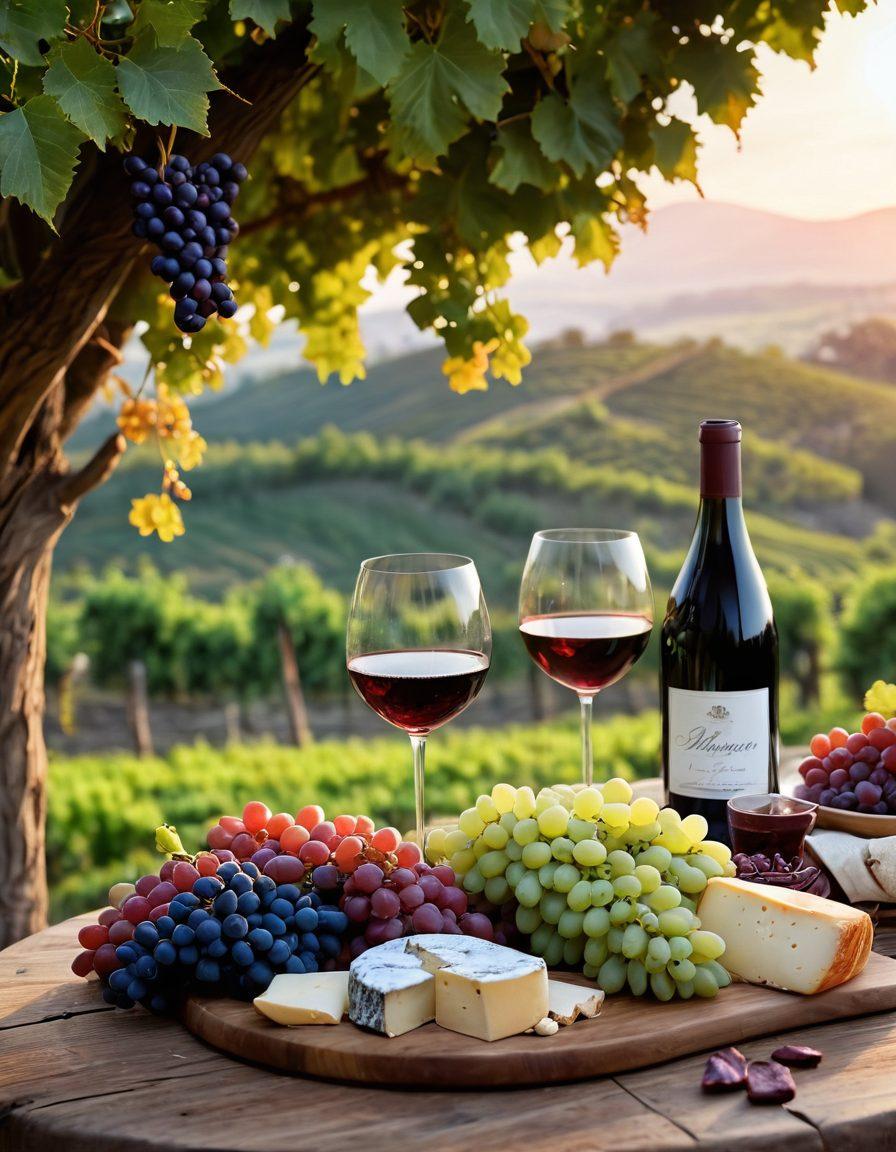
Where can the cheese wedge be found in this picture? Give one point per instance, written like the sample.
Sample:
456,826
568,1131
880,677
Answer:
305,998
789,940
467,985
389,991
567,1002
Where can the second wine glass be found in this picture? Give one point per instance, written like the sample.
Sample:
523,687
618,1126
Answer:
586,612
418,645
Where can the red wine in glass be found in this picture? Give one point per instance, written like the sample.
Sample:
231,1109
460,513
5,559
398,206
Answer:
418,690
586,651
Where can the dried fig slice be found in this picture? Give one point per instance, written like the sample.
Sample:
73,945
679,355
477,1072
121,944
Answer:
769,1082
725,1070
797,1056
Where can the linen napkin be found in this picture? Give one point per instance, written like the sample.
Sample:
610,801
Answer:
864,869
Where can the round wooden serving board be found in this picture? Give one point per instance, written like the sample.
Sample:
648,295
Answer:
629,1033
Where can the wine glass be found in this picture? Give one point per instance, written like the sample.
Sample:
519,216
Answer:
586,612
418,645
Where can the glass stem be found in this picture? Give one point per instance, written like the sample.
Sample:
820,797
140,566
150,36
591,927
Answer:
418,744
587,751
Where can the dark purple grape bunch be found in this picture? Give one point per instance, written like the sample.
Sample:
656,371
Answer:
187,213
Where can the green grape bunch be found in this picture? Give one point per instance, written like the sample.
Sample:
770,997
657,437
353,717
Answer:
600,880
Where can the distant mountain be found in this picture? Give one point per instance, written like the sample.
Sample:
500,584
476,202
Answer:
709,244
701,269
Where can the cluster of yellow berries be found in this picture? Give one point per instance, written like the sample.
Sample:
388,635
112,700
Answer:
165,417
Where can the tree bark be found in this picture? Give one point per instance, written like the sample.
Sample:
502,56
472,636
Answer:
49,371
38,504
138,709
296,712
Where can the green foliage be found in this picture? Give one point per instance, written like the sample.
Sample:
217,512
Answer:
196,647
63,637
291,595
24,24
424,133
167,85
440,86
804,616
796,405
867,650
38,153
83,84
103,809
776,475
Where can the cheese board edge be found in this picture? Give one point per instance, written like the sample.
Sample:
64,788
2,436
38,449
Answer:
434,1059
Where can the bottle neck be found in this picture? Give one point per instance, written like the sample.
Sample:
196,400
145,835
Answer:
720,478
720,521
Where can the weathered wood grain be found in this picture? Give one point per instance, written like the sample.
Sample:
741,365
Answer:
432,1057
106,1081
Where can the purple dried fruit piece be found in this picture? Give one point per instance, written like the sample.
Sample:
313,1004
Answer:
769,1082
725,1070
797,1056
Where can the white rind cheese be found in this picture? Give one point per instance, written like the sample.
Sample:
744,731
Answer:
567,1002
305,998
789,940
467,985
389,991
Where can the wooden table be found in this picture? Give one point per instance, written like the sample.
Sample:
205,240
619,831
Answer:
79,1076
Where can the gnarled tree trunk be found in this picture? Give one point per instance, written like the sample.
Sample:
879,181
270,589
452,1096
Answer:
40,498
51,364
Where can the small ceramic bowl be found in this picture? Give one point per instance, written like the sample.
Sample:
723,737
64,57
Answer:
770,823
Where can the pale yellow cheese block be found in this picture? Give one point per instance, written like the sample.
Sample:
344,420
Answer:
305,998
482,989
789,940
468,985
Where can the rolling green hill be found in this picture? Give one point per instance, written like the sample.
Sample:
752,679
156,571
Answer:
602,434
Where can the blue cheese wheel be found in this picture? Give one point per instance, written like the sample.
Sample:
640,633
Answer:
465,984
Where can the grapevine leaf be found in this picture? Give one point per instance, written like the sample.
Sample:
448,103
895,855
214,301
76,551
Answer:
501,23
631,54
170,20
168,85
675,150
38,154
83,84
554,13
437,82
794,40
583,132
520,161
725,80
595,239
851,7
25,23
374,33
265,13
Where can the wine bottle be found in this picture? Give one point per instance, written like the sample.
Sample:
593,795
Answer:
719,652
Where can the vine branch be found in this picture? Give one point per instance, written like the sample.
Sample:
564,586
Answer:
97,469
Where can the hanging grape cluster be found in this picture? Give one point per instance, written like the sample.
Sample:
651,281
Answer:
186,212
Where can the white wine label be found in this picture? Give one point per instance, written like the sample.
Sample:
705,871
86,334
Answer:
718,743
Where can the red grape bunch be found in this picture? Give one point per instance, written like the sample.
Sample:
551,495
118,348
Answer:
854,771
384,904
186,212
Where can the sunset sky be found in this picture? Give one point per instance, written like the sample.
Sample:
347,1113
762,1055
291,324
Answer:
819,144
